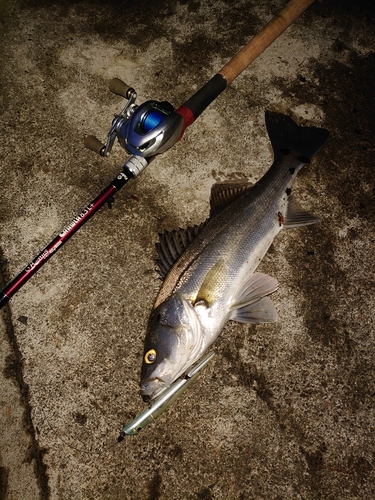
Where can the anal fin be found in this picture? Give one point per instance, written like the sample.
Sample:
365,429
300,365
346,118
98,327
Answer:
296,216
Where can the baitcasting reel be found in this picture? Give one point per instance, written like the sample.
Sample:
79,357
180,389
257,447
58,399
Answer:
145,130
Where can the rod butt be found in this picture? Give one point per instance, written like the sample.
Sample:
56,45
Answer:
4,299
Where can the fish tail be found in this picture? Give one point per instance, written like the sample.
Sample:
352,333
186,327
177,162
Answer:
286,136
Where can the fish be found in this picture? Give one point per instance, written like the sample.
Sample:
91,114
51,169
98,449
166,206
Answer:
209,270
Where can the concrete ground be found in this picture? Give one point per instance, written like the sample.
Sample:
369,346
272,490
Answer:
285,410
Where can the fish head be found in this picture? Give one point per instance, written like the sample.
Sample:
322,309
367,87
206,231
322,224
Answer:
173,340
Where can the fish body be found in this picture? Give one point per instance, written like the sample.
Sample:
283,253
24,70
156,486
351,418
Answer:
209,271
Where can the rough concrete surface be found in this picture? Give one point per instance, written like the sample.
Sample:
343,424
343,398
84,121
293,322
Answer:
285,410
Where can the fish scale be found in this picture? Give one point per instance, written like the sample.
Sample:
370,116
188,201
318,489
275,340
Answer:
214,278
229,232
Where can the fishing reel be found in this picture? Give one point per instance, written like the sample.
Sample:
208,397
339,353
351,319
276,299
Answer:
145,130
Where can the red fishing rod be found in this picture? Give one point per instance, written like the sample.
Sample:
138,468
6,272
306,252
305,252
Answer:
151,128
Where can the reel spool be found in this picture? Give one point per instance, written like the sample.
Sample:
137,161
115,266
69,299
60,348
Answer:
145,130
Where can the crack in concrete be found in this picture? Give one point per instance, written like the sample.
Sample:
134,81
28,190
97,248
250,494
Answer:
14,369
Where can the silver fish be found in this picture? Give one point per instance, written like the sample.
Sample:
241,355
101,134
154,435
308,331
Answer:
209,270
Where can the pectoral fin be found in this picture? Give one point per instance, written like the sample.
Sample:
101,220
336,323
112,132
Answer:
213,284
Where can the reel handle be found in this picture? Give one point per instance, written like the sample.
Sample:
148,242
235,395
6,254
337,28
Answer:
119,87
92,143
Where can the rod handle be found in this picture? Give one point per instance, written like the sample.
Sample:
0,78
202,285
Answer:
264,38
92,143
119,87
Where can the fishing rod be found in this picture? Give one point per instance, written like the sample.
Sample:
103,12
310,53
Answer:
151,128
145,131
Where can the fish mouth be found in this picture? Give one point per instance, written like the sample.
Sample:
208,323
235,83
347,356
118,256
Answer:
153,388
146,397
150,396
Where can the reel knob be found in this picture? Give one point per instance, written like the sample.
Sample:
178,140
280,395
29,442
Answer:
120,88
92,143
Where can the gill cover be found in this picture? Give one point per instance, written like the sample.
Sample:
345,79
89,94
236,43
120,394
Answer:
172,344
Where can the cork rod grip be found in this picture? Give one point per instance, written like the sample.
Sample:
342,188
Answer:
264,38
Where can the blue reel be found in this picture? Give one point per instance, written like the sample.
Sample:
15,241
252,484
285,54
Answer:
152,129
145,130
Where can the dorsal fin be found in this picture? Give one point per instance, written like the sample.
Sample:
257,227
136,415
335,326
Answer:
224,193
172,244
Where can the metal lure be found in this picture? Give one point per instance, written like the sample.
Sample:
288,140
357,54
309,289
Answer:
161,403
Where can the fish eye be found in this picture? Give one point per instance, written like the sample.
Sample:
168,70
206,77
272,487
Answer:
150,356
